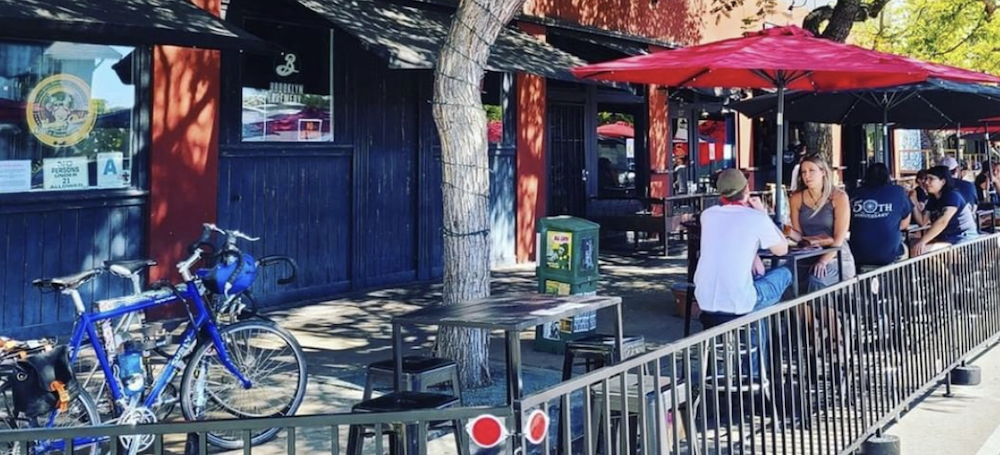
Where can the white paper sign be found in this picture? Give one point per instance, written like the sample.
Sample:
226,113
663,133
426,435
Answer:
64,173
15,176
109,170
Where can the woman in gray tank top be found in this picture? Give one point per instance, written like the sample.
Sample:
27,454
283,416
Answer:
821,215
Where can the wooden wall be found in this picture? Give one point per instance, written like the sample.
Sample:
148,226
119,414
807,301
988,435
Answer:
46,240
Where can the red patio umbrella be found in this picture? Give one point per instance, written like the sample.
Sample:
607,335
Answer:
780,58
616,130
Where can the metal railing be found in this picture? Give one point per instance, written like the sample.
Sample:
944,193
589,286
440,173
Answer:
819,374
310,434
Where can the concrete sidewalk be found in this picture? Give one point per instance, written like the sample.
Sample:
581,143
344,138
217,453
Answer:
967,423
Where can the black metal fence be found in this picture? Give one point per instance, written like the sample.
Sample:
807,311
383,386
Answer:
312,434
820,374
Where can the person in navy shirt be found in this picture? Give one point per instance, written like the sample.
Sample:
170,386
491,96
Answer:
965,188
879,213
949,215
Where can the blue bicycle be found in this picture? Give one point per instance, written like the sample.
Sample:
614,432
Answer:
252,368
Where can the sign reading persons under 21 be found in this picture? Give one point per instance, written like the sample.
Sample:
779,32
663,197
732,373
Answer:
60,112
65,173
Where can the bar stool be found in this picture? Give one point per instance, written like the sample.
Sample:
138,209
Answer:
598,351
419,374
399,433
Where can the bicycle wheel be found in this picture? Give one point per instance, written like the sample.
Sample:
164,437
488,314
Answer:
268,356
91,378
81,412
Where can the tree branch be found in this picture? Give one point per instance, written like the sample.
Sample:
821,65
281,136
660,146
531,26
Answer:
816,17
974,30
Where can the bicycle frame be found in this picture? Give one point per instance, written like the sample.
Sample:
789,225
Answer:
86,327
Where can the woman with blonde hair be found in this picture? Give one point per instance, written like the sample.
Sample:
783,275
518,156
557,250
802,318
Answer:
821,216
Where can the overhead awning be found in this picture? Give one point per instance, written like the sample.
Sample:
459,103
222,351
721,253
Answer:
409,38
127,22
621,46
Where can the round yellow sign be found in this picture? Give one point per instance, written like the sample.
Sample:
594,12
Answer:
59,110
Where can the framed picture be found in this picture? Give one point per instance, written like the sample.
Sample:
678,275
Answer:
310,129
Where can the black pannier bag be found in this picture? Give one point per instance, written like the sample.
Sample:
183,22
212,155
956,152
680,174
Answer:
43,382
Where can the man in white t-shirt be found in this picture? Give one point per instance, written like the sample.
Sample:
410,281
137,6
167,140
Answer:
730,281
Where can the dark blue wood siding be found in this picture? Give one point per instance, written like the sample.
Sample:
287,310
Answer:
49,240
299,205
366,210
503,228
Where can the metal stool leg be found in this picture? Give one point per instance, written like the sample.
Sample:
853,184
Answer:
460,438
355,436
456,384
369,386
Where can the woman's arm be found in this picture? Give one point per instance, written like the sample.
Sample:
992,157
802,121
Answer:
936,229
918,210
794,202
841,227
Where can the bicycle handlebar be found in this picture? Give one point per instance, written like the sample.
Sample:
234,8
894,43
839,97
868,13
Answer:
268,260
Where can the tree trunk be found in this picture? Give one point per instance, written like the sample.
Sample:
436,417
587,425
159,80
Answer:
845,13
461,125
818,138
840,20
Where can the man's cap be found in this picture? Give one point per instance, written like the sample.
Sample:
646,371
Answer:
731,182
949,162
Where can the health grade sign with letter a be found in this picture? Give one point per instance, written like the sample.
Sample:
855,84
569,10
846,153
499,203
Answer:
110,173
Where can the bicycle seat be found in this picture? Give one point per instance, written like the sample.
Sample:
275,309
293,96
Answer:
133,266
67,282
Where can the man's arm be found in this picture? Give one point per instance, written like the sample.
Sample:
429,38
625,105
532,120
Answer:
779,249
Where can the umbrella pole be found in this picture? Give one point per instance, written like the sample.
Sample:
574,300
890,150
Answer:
885,139
778,191
989,162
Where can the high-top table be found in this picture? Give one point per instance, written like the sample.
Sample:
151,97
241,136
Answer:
509,313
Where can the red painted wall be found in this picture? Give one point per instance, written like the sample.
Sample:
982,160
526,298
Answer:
530,154
184,161
659,180
683,22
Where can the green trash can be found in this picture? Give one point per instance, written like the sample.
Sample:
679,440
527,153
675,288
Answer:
566,265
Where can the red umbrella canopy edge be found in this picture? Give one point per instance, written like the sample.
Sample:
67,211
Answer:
788,55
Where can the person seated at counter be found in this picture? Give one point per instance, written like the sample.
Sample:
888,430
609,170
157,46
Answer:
821,217
730,281
987,183
964,187
950,217
880,211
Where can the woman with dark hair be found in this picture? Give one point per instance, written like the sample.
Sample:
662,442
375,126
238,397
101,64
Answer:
986,183
879,213
950,217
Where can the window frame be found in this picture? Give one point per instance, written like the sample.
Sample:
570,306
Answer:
140,140
232,96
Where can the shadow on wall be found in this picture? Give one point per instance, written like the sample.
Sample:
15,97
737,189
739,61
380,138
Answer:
678,21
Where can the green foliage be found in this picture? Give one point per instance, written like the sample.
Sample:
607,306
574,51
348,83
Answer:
604,118
963,33
493,112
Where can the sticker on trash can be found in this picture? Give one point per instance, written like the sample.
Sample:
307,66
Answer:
587,256
559,256
550,331
557,288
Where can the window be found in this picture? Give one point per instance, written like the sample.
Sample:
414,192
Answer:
66,116
288,97
495,96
